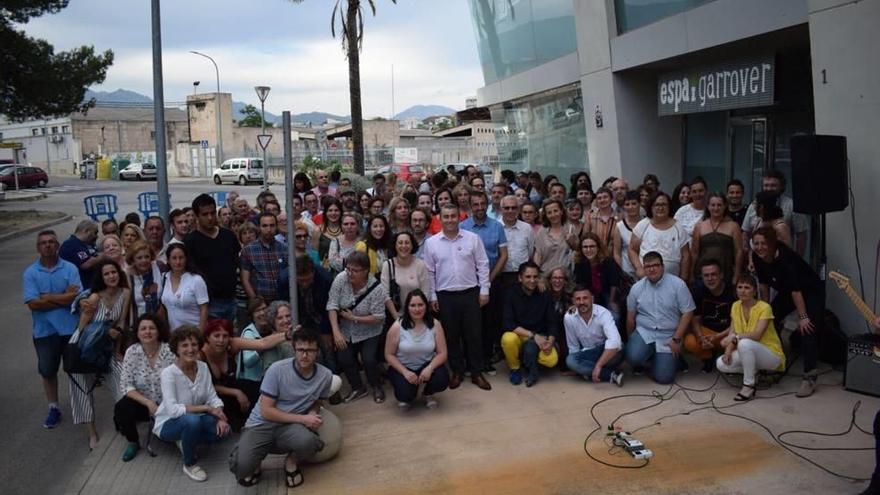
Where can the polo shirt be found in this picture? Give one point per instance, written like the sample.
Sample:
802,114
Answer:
39,280
78,252
491,232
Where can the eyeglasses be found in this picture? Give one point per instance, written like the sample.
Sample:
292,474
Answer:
653,265
306,351
509,208
300,236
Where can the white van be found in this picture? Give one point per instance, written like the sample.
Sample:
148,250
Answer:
240,170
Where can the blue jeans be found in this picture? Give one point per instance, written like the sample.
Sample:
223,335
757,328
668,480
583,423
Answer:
584,362
191,429
640,354
222,308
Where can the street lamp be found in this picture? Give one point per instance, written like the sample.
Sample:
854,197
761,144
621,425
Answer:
196,87
262,94
219,120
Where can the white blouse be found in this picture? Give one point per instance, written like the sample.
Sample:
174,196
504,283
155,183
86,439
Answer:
178,391
137,374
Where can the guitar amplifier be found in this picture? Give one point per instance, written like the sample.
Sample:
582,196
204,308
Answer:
863,364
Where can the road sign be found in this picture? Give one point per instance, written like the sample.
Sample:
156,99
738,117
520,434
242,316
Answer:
263,140
11,145
406,155
204,144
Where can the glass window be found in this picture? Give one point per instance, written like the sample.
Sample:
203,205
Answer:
543,133
516,35
257,164
54,129
35,131
705,153
65,129
633,14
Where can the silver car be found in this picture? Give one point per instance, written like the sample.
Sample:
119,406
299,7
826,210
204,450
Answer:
138,171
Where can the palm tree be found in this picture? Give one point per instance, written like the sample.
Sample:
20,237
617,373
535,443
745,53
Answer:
350,16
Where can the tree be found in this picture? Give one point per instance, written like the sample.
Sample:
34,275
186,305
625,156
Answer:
350,16
35,81
252,117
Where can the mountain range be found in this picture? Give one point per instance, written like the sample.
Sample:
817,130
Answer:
126,97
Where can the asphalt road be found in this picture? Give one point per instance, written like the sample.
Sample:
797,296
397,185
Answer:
36,460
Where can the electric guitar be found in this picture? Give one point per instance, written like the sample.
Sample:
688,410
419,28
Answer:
842,282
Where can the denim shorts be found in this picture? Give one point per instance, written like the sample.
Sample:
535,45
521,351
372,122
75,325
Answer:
49,351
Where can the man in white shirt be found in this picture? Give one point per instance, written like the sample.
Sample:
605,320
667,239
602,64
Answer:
690,214
594,345
798,223
459,271
520,244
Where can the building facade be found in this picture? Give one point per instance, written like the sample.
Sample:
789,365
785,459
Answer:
681,88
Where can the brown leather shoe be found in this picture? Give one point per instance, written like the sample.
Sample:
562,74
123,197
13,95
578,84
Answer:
454,381
478,380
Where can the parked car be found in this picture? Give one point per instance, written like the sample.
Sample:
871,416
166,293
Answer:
27,176
138,171
240,170
403,171
488,175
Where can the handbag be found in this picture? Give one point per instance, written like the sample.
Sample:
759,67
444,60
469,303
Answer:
89,349
393,288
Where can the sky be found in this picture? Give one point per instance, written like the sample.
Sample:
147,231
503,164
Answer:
281,44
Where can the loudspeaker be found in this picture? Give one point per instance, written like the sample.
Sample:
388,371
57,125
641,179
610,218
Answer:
819,174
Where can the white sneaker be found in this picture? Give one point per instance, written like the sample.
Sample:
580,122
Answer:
431,402
404,406
617,378
195,472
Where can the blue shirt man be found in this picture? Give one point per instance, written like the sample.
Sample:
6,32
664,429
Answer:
80,250
491,232
49,286
660,308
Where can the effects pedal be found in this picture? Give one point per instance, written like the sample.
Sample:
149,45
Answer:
635,447
642,454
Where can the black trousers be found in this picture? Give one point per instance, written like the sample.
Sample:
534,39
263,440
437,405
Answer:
126,414
492,312
405,391
461,318
809,343
348,361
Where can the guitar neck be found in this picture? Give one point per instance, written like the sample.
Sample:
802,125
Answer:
860,304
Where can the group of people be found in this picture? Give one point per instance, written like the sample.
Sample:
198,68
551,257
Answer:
420,284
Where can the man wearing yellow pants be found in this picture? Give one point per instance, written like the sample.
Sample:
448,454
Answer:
711,316
530,327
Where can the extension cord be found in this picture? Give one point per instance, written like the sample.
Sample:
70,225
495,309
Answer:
642,454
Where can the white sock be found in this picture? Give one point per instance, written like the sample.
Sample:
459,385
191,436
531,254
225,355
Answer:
53,405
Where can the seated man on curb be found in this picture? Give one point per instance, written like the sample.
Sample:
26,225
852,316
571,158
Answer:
659,312
711,316
594,343
529,327
287,417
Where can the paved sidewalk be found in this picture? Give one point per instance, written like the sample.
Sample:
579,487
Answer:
530,440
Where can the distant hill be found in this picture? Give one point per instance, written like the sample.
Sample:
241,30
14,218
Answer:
424,111
316,118
118,96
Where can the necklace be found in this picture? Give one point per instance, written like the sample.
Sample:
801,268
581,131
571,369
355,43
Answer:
333,232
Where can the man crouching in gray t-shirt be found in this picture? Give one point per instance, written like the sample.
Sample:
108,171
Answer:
286,418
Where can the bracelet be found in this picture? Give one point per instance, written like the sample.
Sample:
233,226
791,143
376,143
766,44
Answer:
804,316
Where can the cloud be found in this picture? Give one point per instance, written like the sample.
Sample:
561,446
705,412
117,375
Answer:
282,45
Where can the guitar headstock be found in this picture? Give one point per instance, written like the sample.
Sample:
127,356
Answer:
841,280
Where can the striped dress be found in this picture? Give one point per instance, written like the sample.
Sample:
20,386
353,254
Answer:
82,402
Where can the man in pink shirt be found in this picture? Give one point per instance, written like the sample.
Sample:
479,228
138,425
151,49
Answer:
322,178
458,290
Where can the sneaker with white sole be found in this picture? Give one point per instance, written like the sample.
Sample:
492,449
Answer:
808,386
195,472
53,418
617,378
431,402
404,406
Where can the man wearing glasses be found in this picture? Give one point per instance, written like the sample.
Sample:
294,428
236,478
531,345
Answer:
659,312
288,415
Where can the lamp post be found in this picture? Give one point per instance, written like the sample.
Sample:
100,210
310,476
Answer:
262,94
219,120
196,87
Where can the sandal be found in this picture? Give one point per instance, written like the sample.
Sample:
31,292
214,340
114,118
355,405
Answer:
251,480
293,478
739,397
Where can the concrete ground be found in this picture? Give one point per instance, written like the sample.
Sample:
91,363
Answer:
531,440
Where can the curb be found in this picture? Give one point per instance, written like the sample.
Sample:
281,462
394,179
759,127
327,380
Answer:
33,197
35,228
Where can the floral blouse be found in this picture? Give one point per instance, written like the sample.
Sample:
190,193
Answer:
137,374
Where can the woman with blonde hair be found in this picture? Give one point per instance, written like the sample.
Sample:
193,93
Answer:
111,245
131,233
145,278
